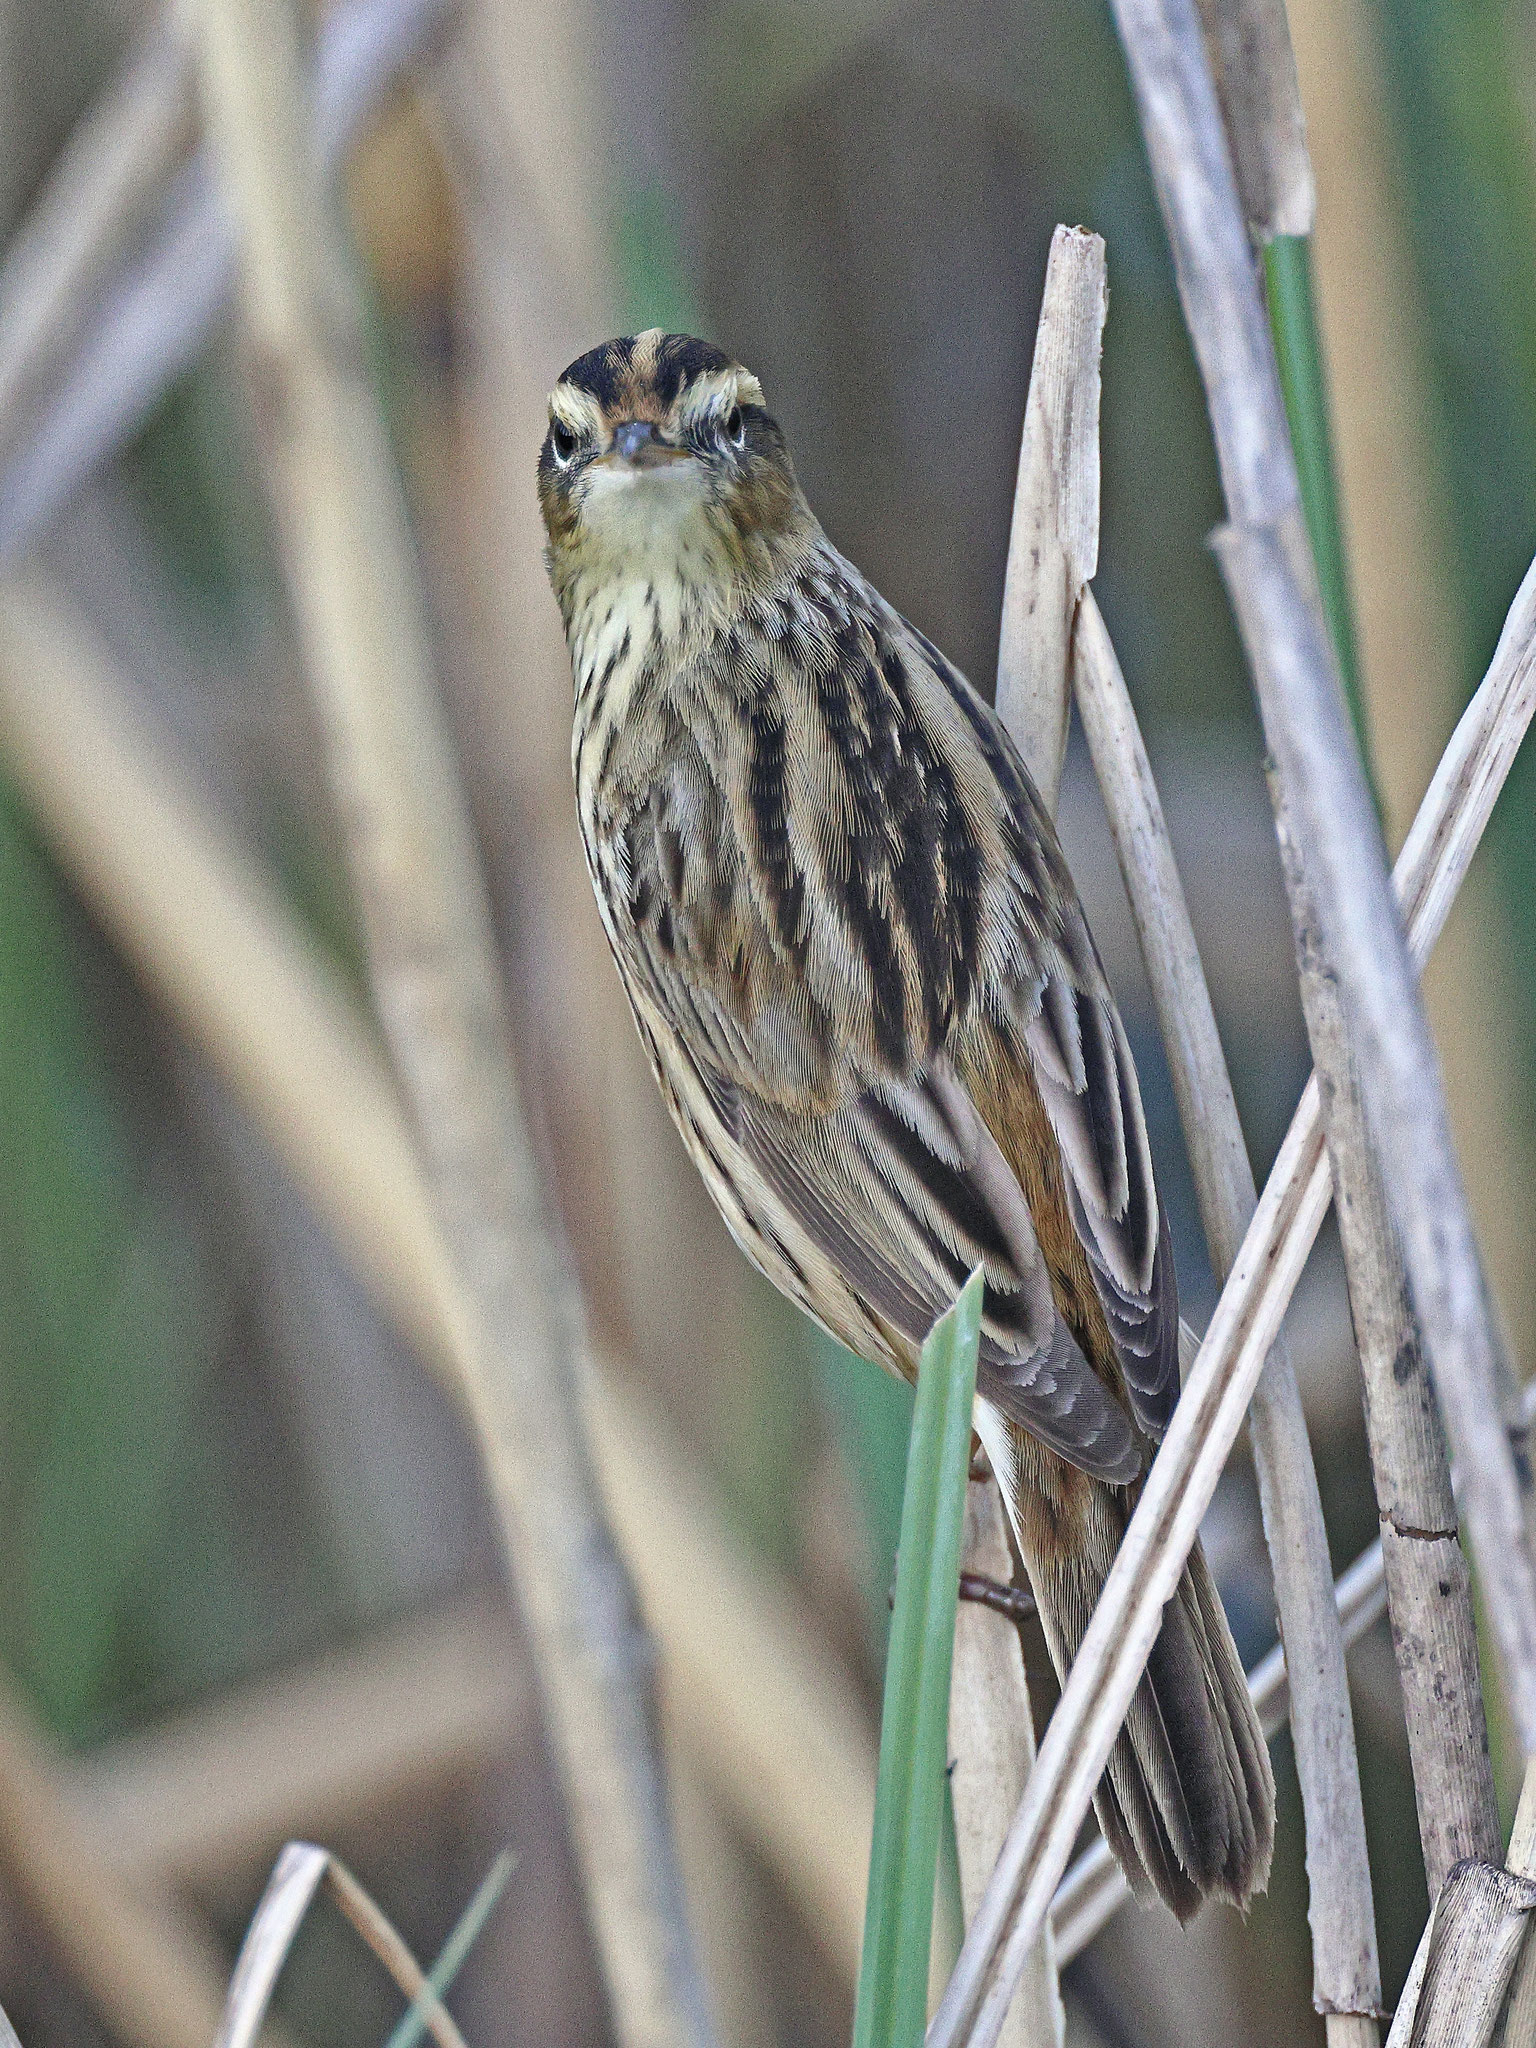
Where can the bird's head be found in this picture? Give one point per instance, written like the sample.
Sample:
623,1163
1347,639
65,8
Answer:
662,461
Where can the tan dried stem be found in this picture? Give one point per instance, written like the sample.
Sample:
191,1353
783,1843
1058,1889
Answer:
1053,544
436,981
1346,1974
1291,1208
992,1747
153,1976
1052,551
1429,1592
1266,560
114,163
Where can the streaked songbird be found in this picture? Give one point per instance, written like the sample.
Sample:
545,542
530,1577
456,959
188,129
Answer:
864,981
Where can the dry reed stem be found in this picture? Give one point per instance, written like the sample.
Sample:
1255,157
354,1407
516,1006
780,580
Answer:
1457,2016
154,1977
156,315
1470,1949
1361,947
436,980
1053,544
992,1747
1183,1476
1053,549
299,1873
786,1743
1434,1628
1267,563
113,165
1520,2006
1249,46
1399,548
1346,1975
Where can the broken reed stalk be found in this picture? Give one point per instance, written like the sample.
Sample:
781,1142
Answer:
94,392
1434,1628
1346,1975
1520,2009
1052,551
114,164
1052,554
1265,559
436,980
1053,542
1430,868
1470,1953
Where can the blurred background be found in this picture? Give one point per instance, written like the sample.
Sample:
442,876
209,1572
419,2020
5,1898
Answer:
250,1587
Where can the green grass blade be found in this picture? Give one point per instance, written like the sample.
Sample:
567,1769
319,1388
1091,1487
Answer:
909,1794
455,1949
1293,322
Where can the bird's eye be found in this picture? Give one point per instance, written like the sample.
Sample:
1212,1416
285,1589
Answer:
562,439
735,427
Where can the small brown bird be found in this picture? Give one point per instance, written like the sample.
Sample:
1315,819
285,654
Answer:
862,975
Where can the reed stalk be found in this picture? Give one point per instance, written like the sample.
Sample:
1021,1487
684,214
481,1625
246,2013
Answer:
436,981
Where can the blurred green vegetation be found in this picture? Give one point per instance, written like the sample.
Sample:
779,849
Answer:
1462,81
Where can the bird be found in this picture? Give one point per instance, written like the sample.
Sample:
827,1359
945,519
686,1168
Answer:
863,980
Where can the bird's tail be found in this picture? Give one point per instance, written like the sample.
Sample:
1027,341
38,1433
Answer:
1187,1800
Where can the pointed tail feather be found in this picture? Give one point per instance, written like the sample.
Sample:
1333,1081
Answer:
1187,1800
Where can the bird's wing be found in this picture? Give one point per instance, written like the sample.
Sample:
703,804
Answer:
819,905
1059,1009
905,1191
1059,1004
1085,1076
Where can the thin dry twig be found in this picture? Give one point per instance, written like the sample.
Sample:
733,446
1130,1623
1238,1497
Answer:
1267,563
300,1871
152,323
1346,1975
1205,1425
1052,551
435,974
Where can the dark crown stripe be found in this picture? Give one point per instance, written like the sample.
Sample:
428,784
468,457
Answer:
601,371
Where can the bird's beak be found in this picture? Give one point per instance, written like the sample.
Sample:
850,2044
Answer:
637,445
